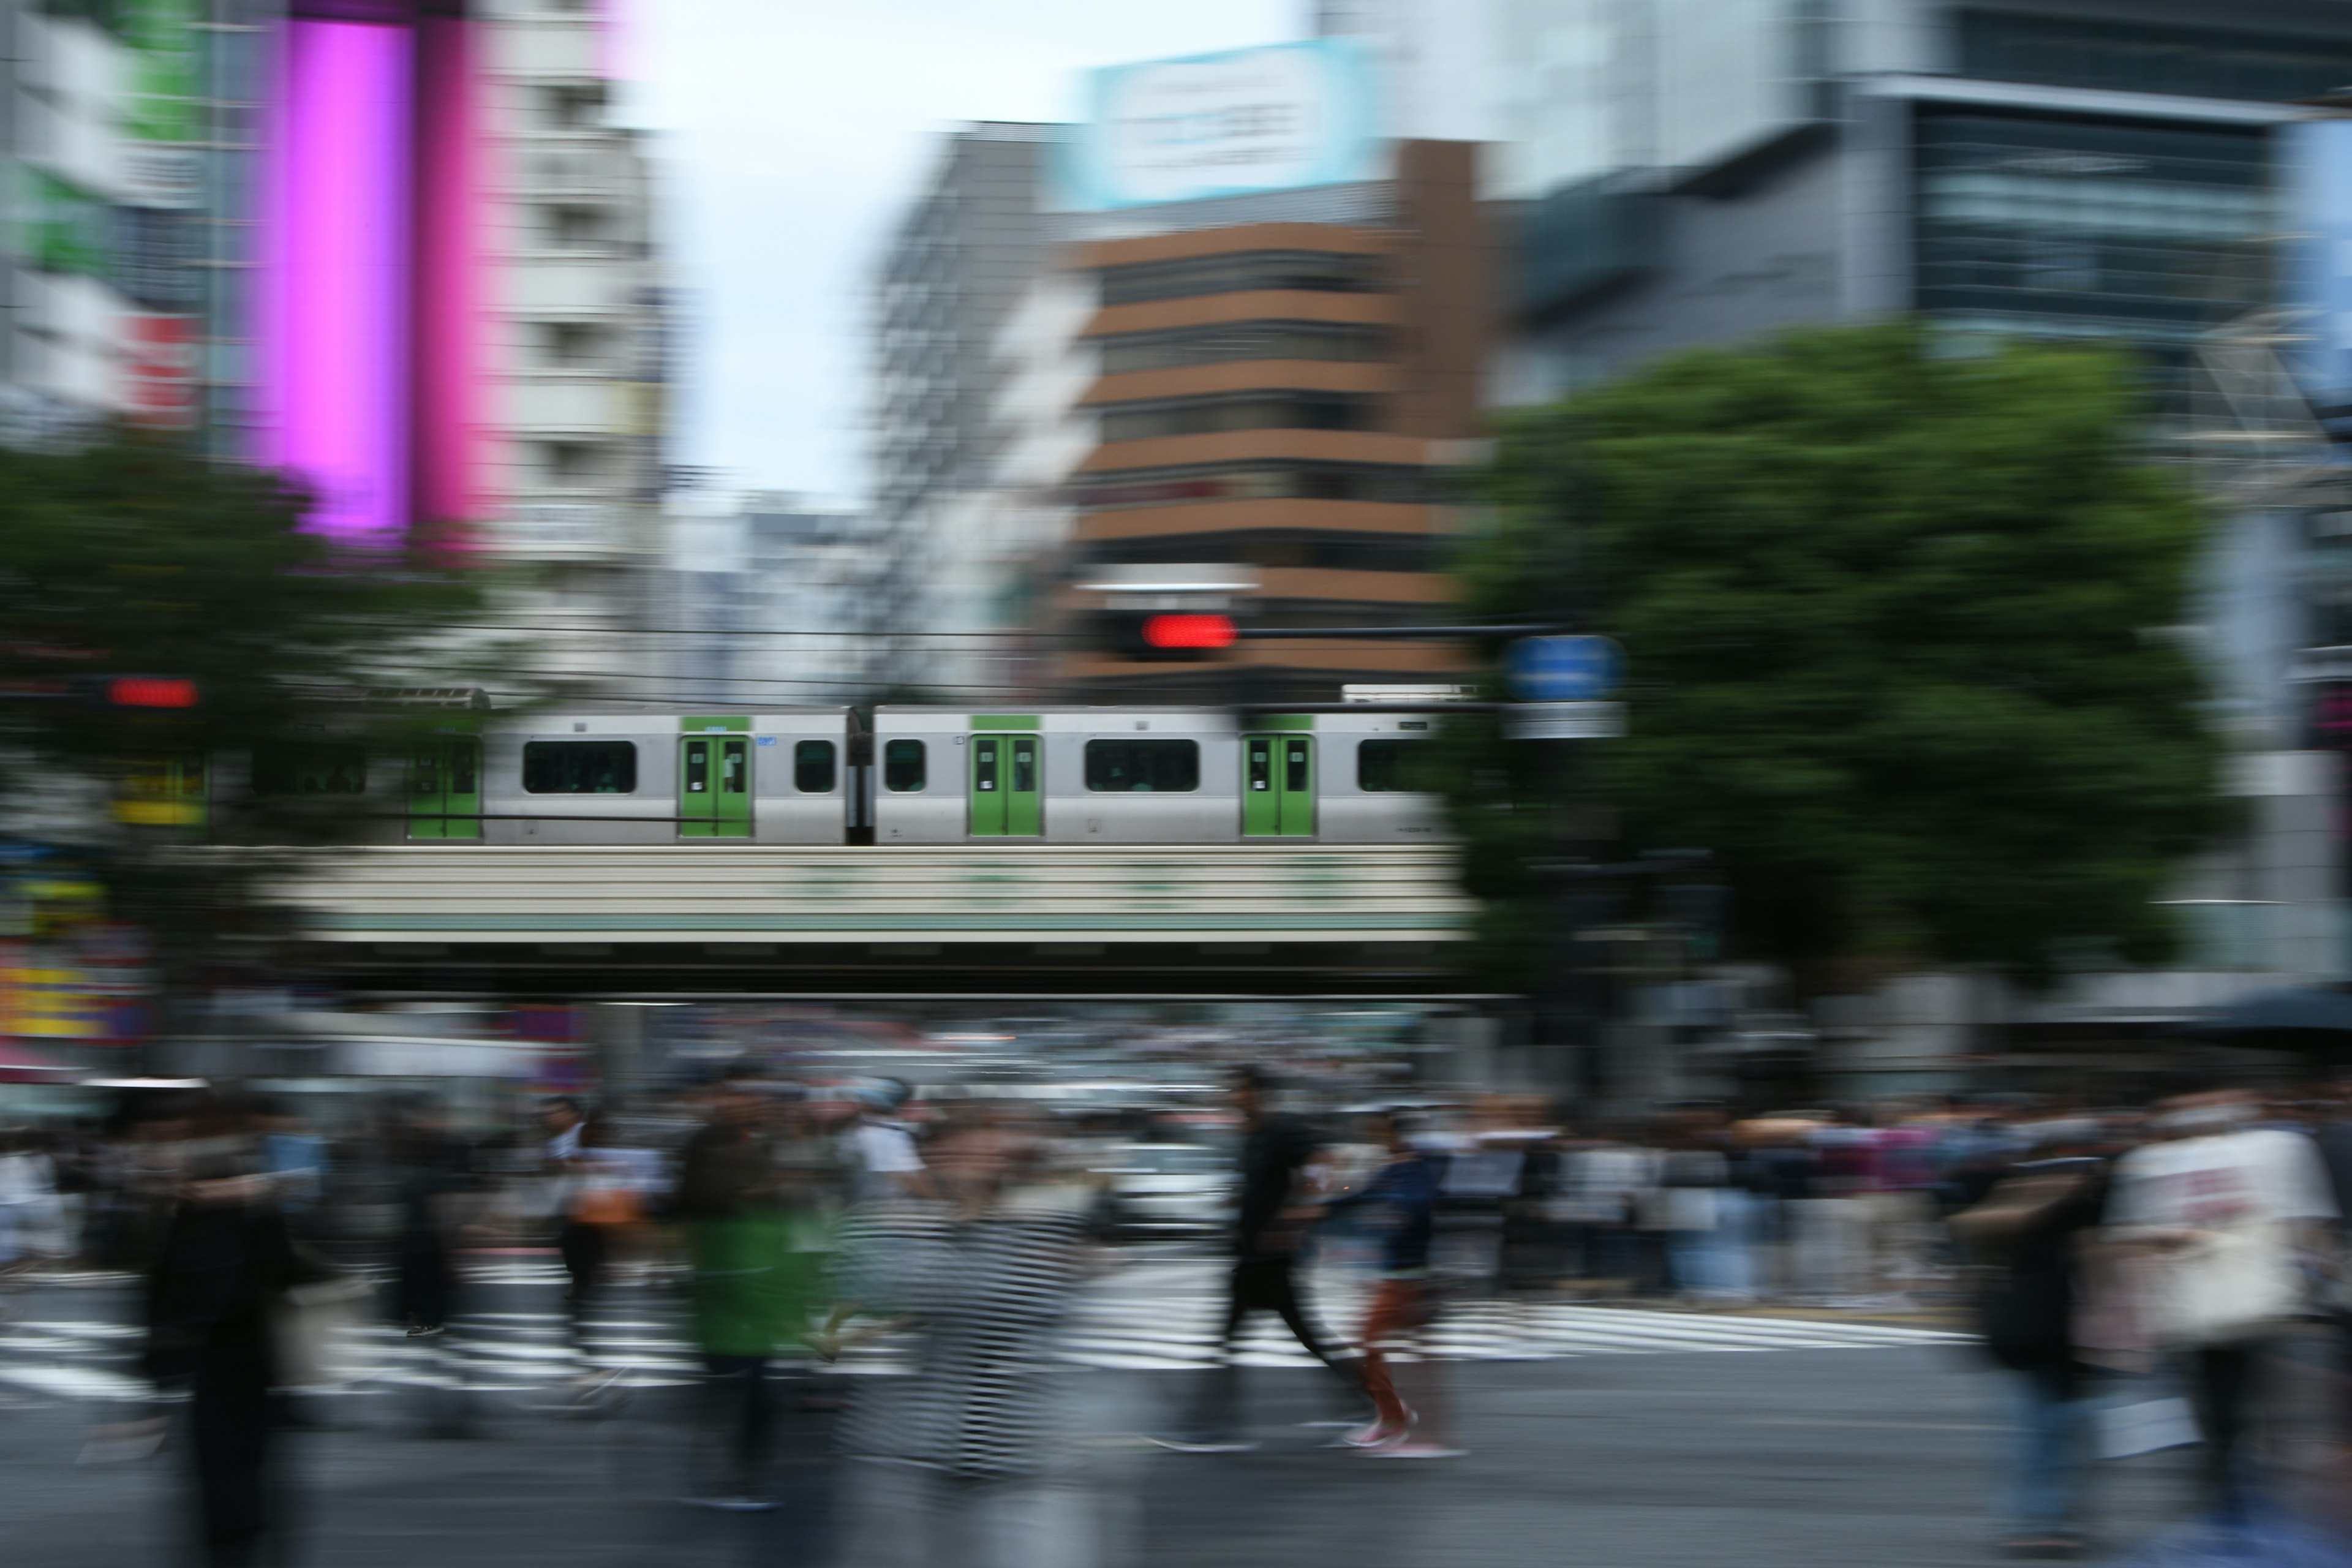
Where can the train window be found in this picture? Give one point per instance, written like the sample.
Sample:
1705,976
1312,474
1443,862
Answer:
308,770
903,772
579,767
1156,767
813,767
1393,767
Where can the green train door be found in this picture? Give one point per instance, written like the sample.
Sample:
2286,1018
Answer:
445,788
1277,786
714,795
1008,799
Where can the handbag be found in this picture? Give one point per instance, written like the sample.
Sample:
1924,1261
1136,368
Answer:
321,1332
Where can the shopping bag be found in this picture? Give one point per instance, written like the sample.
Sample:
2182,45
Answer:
323,1334
2145,1425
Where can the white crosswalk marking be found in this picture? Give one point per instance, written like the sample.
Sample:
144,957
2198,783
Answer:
1154,1315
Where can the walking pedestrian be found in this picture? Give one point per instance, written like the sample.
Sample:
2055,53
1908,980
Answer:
2029,1231
754,1286
225,1260
580,1244
1400,1202
2229,1216
881,1154
1276,1206
973,1458
430,1168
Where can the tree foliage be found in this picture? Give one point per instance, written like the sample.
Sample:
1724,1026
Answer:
1903,633
134,556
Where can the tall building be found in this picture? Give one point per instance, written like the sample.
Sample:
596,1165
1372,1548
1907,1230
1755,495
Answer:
959,263
1697,171
124,127
1227,320
1283,396
392,247
765,597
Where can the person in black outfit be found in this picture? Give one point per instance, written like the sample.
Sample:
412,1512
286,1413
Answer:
581,1246
1270,1222
2029,1228
430,1166
225,1259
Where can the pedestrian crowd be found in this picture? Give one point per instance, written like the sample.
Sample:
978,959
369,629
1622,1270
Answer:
2141,1275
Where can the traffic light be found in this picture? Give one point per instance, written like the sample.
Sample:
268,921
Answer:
150,691
1170,636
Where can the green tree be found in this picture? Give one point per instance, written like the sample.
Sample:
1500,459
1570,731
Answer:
132,556
1901,628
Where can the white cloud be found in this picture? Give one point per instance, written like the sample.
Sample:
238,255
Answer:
793,132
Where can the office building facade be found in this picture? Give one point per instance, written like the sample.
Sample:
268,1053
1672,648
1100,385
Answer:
972,241
1285,397
1700,171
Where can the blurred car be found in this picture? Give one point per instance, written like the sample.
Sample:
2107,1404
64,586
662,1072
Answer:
1172,1189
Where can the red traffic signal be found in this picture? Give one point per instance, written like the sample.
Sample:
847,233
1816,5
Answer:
1189,631
150,691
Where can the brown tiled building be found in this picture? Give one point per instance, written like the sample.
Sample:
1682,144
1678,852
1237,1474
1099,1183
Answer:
1285,396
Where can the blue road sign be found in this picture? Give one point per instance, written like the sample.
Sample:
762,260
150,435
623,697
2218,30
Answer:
1561,669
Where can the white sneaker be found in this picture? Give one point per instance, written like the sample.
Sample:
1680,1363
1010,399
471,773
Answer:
1411,1447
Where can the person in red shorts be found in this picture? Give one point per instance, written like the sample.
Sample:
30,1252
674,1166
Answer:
1400,1202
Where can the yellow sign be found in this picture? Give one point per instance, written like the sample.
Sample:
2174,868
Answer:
42,1000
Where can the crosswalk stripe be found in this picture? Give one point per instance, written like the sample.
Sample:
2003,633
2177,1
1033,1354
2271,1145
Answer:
1153,1316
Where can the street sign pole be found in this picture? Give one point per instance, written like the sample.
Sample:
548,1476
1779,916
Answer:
1559,684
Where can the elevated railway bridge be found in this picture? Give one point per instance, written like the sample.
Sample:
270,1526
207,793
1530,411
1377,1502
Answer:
958,920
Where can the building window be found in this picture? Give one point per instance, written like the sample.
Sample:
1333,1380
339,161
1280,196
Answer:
1388,482
571,345
2144,57
574,227
1255,410
310,770
1143,767
1247,272
1244,340
904,770
571,108
1332,552
813,767
1394,767
2032,226
572,464
579,767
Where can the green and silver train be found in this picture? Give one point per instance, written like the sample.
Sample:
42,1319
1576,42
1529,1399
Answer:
815,775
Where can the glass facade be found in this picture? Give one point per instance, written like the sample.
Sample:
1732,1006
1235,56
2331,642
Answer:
2065,227
2140,56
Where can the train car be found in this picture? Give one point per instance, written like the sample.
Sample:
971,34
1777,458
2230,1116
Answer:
323,781
1149,775
559,776
572,777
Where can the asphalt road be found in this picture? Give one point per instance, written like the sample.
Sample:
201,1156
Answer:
1788,1456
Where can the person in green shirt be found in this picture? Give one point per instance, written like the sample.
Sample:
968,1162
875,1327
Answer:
754,1230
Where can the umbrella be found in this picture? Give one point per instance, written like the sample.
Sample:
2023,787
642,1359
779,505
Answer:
2308,1009
22,1064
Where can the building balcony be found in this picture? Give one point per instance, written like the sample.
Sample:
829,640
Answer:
583,406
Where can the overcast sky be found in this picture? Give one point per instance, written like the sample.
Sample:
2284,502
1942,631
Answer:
790,132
